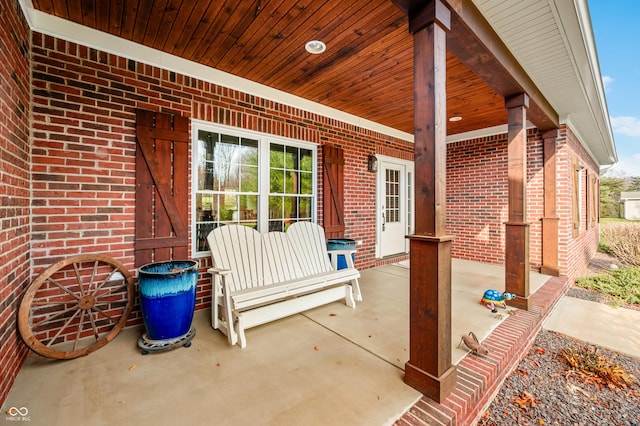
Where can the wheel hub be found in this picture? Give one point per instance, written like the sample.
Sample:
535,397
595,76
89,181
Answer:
86,302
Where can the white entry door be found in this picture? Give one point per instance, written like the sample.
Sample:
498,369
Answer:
395,211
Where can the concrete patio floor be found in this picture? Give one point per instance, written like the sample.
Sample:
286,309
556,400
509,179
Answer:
331,365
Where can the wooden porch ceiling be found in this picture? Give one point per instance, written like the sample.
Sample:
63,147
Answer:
367,69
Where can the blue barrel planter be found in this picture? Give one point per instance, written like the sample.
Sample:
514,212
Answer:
168,298
341,244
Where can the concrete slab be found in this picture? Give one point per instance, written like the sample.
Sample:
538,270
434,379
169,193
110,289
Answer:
292,372
332,365
613,328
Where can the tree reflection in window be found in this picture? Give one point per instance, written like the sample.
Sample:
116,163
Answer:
290,185
227,183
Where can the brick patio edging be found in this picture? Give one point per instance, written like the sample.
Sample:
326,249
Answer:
480,377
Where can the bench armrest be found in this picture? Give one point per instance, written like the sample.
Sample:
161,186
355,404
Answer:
218,271
347,257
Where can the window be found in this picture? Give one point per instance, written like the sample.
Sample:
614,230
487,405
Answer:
250,179
290,185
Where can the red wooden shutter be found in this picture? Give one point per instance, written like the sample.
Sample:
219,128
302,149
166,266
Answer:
575,208
162,167
333,191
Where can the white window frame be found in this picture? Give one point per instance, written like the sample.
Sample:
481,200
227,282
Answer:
264,142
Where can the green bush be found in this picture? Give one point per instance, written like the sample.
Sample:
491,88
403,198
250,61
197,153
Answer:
622,286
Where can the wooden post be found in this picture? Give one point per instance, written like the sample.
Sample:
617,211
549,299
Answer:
550,219
517,228
429,368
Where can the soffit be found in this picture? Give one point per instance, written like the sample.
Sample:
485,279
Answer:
553,41
367,70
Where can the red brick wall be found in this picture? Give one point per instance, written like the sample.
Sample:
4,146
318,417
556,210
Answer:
574,252
14,185
477,196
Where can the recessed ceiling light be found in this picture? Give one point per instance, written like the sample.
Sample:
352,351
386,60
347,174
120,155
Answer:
456,118
315,47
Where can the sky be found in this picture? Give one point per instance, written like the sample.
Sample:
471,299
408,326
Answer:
616,28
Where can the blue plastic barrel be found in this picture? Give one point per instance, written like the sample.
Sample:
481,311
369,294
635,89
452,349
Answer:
341,244
168,298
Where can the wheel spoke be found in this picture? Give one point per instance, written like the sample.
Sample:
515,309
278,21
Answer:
53,339
52,318
79,278
104,314
61,287
110,291
42,303
106,280
93,275
93,326
75,343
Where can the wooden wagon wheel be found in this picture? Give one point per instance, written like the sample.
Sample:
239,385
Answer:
76,306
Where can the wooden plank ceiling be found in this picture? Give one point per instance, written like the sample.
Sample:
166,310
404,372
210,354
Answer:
367,69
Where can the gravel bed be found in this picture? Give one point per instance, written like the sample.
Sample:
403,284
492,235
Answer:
558,395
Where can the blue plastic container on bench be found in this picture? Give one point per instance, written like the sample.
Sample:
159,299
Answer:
341,244
168,298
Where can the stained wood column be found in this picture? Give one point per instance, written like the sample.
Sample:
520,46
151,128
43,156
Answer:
429,368
517,228
550,219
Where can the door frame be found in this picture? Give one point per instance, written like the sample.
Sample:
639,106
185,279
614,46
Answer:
409,180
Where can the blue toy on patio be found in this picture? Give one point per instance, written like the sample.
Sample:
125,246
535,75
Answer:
493,298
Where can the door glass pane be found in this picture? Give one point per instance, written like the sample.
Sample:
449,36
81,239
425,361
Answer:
392,196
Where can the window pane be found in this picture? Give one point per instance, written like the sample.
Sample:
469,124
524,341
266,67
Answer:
249,152
248,207
231,140
275,225
304,211
291,182
291,158
290,207
249,179
277,181
228,174
306,160
275,207
228,205
204,207
202,230
306,183
276,156
205,176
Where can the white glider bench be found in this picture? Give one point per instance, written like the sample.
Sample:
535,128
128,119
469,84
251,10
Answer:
259,278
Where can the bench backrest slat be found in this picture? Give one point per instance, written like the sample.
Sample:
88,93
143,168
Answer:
239,249
280,261
309,244
256,260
